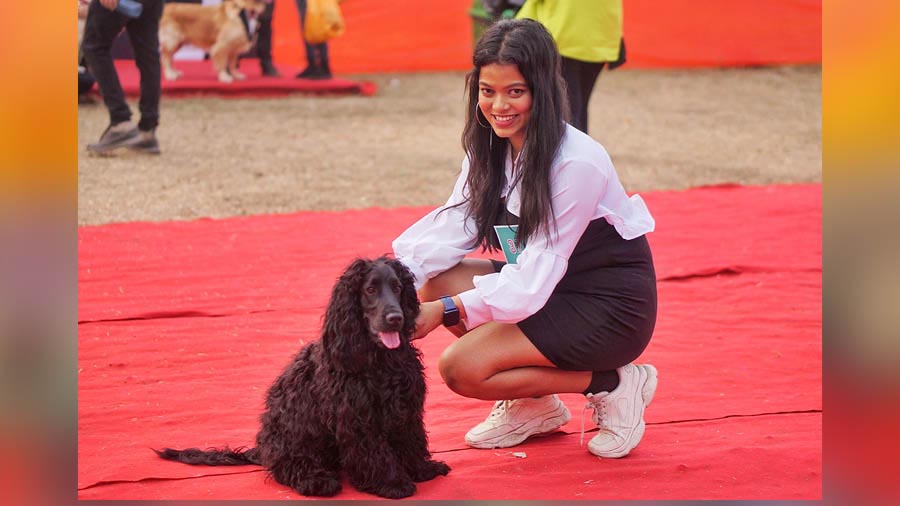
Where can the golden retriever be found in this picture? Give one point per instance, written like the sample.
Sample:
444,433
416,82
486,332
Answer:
218,29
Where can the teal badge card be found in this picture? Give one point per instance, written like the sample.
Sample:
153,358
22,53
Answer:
507,236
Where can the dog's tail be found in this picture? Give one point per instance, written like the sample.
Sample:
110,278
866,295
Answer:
212,457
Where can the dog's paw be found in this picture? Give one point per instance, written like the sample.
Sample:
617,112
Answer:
429,470
225,77
397,491
323,487
171,76
240,76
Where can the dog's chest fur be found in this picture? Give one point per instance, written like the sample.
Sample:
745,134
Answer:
394,381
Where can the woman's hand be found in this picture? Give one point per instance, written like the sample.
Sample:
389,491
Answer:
431,315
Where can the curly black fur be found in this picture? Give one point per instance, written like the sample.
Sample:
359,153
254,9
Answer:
347,402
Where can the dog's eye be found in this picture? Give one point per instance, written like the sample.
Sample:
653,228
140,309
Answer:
370,290
397,288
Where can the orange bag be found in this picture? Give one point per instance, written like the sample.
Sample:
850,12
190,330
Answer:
323,21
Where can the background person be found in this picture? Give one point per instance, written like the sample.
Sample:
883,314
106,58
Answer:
317,66
102,26
588,34
85,79
264,42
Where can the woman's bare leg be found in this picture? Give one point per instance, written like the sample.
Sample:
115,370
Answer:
497,361
455,280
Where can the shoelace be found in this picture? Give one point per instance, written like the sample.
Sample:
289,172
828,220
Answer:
597,402
500,407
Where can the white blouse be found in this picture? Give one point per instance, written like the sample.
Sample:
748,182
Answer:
583,185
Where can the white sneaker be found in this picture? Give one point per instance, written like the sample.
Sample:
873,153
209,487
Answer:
620,414
512,422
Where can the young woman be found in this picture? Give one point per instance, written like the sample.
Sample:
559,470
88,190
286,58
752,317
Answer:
578,304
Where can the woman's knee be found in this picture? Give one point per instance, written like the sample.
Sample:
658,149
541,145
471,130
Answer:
439,286
458,372
430,290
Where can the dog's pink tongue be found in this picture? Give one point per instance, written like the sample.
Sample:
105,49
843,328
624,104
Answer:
390,339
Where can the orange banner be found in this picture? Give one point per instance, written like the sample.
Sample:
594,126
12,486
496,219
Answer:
411,35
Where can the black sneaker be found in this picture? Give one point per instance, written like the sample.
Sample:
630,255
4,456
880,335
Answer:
315,73
146,143
267,69
115,137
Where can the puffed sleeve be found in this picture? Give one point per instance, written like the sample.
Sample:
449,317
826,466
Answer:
441,238
520,290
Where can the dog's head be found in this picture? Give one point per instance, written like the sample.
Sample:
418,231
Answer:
373,306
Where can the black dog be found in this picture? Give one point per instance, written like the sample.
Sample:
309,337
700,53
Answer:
352,401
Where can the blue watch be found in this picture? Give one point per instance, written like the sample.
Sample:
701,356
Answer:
451,312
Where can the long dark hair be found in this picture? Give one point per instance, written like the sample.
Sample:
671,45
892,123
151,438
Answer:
528,45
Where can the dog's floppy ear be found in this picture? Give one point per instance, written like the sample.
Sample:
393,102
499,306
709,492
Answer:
409,299
344,331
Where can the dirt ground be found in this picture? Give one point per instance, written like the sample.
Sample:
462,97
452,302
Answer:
664,129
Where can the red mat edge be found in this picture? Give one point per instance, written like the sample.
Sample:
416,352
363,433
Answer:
199,79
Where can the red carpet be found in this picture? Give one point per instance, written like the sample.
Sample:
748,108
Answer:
183,325
200,78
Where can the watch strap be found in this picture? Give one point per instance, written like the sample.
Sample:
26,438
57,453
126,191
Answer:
451,312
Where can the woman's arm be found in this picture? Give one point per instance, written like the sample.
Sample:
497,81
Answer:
431,316
440,239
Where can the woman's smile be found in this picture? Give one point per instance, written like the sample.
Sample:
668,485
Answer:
504,121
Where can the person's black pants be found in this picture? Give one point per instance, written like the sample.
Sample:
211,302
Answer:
85,82
580,77
264,34
100,30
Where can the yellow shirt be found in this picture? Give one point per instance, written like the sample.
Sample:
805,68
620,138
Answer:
586,30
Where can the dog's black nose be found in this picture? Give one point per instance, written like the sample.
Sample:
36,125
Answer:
394,319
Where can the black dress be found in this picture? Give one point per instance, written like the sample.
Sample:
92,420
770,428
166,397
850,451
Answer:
602,313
